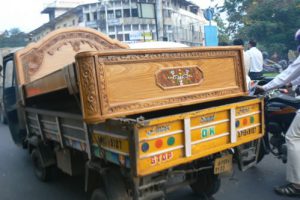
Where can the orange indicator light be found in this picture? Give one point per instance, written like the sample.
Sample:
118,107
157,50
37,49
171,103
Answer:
158,143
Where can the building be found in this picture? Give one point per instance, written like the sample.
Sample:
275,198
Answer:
131,20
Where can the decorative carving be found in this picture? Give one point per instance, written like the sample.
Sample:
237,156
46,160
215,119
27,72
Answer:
32,62
175,77
102,85
33,59
88,81
167,56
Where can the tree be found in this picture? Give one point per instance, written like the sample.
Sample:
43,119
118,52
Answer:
271,23
235,11
13,38
222,33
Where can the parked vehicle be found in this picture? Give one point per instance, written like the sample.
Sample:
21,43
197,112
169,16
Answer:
137,123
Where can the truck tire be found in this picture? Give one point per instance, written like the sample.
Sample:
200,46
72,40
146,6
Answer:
207,184
42,173
98,194
114,184
261,154
3,118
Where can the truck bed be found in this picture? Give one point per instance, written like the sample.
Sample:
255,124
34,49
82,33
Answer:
155,141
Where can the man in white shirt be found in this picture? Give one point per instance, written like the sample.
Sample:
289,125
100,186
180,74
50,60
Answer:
256,61
247,61
291,76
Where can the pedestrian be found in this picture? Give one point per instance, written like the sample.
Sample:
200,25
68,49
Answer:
256,61
290,76
247,61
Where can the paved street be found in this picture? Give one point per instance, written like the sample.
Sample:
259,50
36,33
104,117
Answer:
17,180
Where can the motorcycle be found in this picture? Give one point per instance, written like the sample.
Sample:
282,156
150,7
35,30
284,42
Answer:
280,110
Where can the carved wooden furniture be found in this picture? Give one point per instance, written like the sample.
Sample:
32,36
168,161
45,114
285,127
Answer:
48,56
116,83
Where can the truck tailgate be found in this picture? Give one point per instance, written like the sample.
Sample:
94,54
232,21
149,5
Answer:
163,142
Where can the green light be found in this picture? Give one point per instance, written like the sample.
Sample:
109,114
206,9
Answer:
251,119
171,141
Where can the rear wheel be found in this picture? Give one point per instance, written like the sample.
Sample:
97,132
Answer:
207,184
3,118
98,194
115,186
42,173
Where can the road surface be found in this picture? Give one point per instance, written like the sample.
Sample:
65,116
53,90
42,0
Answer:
17,180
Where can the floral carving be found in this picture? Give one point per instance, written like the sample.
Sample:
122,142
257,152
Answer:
88,86
33,59
174,77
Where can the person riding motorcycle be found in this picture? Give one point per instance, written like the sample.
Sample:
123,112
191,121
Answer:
291,76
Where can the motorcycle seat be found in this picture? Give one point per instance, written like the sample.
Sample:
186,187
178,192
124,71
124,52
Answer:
286,99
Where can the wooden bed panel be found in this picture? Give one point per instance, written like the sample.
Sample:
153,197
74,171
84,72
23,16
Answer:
124,82
58,49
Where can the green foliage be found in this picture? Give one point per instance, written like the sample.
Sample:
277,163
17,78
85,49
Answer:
13,38
272,23
222,33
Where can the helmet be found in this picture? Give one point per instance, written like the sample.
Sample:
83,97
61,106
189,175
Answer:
297,35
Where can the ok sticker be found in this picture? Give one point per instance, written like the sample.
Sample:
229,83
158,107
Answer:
207,132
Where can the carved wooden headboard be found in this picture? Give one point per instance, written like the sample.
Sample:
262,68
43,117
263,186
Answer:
58,49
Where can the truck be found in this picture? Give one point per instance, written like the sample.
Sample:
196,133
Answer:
137,123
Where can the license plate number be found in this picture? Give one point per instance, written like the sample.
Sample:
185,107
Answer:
223,164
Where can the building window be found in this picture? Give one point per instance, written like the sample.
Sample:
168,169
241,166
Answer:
73,22
87,16
127,37
112,36
127,27
126,12
119,28
125,2
117,3
144,27
118,13
134,12
110,14
95,15
135,27
152,27
120,37
102,15
167,13
80,19
111,29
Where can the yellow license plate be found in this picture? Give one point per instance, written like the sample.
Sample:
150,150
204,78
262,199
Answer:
223,164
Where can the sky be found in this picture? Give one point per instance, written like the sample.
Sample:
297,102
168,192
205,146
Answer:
26,14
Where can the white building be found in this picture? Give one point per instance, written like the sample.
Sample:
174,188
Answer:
130,20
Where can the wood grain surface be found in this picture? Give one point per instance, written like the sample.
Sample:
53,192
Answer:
130,81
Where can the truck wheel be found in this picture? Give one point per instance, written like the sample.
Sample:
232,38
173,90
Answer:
115,186
261,154
3,118
98,194
41,172
207,184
